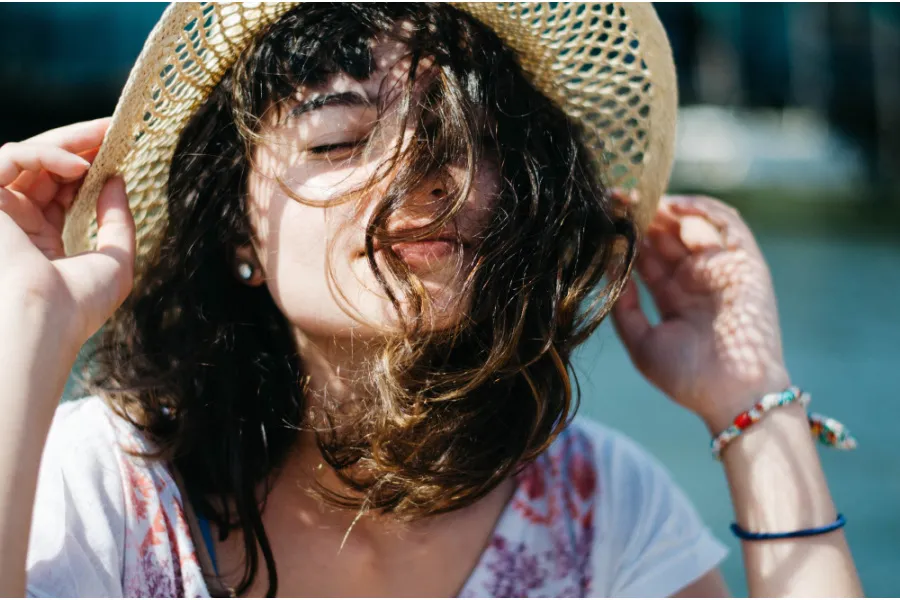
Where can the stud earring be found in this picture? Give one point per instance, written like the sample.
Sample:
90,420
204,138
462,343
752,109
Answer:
245,271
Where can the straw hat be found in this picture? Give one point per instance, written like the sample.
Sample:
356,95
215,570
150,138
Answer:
609,66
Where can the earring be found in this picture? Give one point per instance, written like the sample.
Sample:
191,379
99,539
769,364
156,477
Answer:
245,271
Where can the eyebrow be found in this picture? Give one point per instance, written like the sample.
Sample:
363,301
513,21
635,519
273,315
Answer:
332,99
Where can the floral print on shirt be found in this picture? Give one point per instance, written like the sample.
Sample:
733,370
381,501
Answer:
541,546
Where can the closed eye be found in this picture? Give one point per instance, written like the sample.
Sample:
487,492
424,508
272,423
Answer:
337,150
326,148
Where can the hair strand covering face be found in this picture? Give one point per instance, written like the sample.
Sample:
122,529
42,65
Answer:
209,368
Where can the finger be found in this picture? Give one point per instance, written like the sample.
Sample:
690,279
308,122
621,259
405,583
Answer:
664,218
24,213
102,279
115,223
29,180
732,230
55,216
49,244
42,187
725,218
669,245
699,235
680,235
17,158
629,319
90,155
78,137
81,139
65,196
716,211
658,275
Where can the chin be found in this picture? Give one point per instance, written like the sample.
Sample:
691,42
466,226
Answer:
373,317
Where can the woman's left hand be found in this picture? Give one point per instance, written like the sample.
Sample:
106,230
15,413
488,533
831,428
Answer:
717,348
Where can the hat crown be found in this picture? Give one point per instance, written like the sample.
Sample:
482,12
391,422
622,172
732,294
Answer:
608,66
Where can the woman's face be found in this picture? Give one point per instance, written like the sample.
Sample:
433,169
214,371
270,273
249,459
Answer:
315,148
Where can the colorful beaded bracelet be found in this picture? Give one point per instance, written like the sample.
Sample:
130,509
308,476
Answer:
827,431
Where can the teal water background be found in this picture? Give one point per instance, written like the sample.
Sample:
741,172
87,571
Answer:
839,301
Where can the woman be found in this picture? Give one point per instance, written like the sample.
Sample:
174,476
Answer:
341,365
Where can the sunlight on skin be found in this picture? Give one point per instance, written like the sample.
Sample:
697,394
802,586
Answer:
717,348
699,260
294,240
309,228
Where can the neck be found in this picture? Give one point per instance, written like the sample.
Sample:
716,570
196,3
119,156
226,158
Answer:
337,373
337,370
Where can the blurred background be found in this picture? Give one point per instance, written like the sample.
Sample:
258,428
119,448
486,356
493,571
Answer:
791,112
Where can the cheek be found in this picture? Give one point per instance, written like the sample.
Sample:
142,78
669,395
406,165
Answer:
298,246
487,184
293,238
483,201
321,183
290,231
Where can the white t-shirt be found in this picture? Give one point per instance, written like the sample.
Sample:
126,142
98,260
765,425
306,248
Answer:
593,516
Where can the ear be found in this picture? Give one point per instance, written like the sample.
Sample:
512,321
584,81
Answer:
246,263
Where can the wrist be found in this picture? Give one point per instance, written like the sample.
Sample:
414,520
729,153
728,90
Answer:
775,474
722,411
31,338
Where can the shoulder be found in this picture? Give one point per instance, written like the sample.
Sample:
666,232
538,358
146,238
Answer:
90,424
78,521
595,515
106,521
622,464
598,461
649,539
85,421
82,444
87,458
591,462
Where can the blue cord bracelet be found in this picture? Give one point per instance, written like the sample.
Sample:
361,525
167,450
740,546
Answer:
749,535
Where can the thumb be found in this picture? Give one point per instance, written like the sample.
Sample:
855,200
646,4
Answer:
101,280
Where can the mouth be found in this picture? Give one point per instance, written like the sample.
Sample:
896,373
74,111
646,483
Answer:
426,253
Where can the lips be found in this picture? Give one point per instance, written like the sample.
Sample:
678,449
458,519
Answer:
426,252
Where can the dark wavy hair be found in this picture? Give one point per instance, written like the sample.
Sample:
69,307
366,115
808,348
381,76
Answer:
208,368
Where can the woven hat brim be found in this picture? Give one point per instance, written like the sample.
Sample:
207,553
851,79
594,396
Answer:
609,66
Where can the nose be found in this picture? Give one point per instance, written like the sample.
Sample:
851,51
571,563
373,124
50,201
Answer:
438,192
421,205
428,198
421,209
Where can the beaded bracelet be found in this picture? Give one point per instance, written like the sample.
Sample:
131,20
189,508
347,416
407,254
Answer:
825,430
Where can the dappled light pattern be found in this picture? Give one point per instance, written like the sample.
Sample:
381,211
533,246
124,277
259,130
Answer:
189,58
712,289
596,60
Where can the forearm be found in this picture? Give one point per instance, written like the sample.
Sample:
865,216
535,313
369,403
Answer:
777,484
33,370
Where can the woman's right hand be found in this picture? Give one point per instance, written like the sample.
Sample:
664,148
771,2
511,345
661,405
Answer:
74,295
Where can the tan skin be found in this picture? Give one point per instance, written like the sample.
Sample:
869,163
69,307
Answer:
378,557
717,349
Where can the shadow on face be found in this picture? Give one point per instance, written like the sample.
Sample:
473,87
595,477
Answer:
326,164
